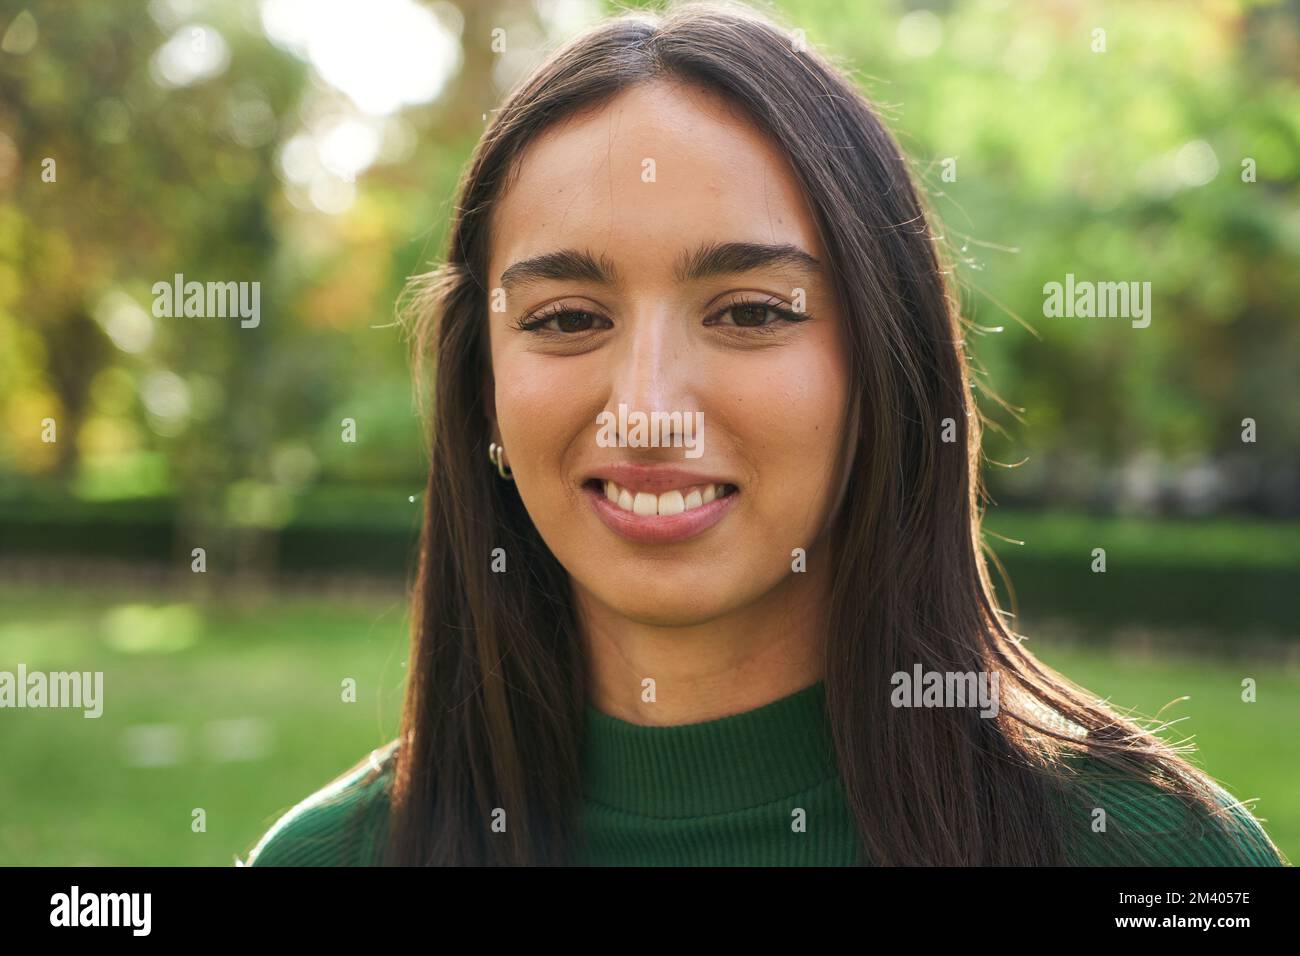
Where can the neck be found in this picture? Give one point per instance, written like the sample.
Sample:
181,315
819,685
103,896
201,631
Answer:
701,671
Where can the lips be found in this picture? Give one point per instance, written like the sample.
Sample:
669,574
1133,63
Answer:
672,502
655,478
650,504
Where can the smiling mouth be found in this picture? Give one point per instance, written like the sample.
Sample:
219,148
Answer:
666,504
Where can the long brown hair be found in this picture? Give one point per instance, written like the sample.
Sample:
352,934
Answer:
493,716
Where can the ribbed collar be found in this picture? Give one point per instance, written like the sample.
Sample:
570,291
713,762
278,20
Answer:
716,766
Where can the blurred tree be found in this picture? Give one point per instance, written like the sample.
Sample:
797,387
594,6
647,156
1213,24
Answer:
207,141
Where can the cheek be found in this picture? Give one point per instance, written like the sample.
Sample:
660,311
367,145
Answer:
541,411
790,417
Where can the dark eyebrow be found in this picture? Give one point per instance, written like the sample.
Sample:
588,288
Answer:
565,264
709,260
728,257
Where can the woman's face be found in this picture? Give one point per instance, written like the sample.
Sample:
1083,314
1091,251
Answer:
642,305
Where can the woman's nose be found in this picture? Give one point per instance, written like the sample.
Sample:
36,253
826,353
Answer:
652,367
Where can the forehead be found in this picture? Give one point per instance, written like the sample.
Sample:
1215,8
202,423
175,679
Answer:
660,167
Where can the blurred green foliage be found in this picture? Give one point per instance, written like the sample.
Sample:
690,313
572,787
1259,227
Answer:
1121,164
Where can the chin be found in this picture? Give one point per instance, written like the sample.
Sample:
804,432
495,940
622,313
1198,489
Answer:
689,596
664,614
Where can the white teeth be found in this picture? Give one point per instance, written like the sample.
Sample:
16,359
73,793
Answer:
669,503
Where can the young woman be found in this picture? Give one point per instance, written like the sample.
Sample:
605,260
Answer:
740,643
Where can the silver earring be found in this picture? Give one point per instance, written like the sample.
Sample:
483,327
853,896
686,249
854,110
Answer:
495,452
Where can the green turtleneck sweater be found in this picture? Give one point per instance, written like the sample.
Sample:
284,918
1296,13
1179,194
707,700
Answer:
754,789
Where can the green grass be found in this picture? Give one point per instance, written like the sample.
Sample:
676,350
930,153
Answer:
70,796
1252,749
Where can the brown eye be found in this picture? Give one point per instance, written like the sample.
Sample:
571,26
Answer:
749,315
759,316
574,321
562,321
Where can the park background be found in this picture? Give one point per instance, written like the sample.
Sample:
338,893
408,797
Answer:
315,148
